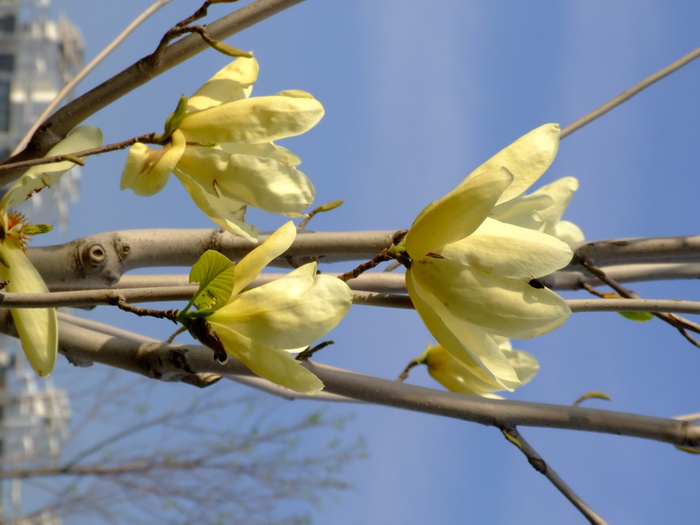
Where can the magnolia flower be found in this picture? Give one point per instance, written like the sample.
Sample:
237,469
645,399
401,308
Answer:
469,378
37,327
264,326
472,276
220,147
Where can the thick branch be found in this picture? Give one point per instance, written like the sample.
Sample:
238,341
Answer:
105,257
177,362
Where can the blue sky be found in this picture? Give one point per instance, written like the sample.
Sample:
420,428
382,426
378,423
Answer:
416,95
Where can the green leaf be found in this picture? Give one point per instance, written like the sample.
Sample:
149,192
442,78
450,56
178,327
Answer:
594,394
214,273
640,317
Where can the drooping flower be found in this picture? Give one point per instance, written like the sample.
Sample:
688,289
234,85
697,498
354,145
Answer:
37,327
265,326
472,276
469,378
220,146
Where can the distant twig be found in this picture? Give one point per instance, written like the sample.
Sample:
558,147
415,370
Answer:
540,465
628,94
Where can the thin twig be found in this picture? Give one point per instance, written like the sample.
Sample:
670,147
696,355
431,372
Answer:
680,323
146,139
628,94
540,465
69,86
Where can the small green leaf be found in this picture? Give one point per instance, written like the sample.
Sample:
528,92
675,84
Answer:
640,317
594,394
328,206
226,49
36,229
214,273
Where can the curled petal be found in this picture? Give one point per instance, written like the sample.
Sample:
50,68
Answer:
43,175
257,181
458,214
502,306
147,169
290,312
510,251
274,365
527,159
253,120
233,82
37,327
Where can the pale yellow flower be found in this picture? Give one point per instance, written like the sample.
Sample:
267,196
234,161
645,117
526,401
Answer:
469,378
264,326
37,327
222,150
471,276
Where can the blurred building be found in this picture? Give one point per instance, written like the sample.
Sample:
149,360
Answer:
38,55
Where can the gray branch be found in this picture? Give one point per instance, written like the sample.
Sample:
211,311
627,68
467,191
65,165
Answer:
191,363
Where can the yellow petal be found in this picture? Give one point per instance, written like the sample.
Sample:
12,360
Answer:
252,264
291,312
253,120
510,251
455,376
224,211
458,214
265,149
233,82
37,327
147,169
261,182
466,342
503,306
274,365
527,159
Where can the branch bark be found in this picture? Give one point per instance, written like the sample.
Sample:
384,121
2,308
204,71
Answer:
183,362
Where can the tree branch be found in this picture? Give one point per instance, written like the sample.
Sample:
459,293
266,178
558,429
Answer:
541,466
629,93
179,362
56,127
